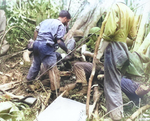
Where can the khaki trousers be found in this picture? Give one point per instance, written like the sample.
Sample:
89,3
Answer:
54,77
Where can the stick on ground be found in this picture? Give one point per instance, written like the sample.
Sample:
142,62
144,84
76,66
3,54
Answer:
138,112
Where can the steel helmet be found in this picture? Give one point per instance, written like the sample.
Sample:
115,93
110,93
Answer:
94,30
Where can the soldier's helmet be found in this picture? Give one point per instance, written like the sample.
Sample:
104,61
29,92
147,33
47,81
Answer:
94,30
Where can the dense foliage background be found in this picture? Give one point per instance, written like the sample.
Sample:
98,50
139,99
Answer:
26,14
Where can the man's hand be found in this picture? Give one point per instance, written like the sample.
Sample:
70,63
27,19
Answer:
97,61
68,56
99,64
62,45
88,53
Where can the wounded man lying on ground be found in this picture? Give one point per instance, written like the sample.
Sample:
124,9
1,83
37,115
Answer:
82,72
133,90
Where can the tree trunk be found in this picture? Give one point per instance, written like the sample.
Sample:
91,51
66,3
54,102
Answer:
143,48
87,18
141,31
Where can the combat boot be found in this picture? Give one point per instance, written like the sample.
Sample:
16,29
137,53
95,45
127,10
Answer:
117,114
142,90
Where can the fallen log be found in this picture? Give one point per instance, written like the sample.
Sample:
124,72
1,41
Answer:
9,86
138,112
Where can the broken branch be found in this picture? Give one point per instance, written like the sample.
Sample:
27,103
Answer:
11,95
8,86
46,102
94,67
138,112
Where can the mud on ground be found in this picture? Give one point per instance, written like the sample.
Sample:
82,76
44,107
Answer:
15,69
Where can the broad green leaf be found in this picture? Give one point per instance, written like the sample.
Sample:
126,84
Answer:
1,119
13,109
5,107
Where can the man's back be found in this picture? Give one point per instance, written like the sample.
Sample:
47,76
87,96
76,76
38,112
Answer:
49,28
120,24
